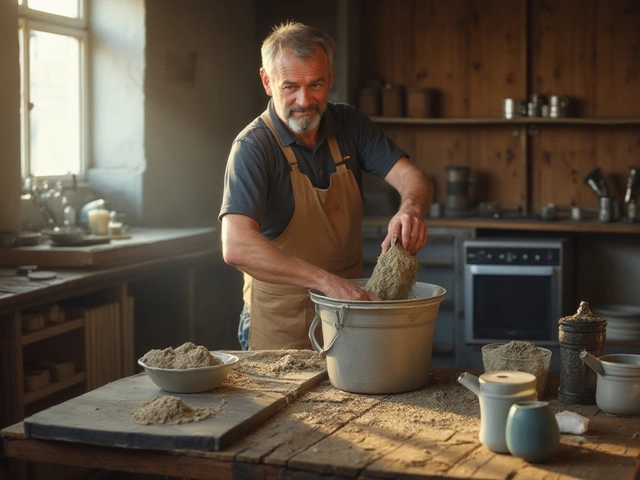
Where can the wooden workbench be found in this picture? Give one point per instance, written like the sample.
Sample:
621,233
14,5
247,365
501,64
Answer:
428,433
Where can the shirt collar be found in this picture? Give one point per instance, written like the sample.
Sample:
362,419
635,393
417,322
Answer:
328,125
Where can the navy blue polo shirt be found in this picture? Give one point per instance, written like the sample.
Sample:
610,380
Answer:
257,181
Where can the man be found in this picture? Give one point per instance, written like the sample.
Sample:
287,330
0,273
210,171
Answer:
292,206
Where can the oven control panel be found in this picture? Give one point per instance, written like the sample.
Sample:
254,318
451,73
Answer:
512,255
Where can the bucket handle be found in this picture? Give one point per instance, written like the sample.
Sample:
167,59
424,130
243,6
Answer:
314,325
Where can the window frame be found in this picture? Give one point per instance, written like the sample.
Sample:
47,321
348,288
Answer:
29,20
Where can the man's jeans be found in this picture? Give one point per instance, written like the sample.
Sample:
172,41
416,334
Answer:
243,328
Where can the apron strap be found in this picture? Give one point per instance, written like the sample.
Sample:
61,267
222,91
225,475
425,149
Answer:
335,153
286,149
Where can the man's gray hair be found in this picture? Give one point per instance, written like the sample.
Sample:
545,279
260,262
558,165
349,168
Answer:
297,38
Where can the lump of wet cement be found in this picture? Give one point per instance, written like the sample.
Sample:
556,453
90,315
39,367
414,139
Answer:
394,275
171,410
186,355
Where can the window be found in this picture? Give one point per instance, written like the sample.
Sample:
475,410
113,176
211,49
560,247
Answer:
53,46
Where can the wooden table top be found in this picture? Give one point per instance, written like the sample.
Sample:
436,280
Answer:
428,433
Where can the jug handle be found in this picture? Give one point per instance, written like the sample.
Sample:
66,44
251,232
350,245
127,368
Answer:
592,362
314,325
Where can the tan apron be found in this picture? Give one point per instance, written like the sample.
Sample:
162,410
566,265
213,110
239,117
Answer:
326,231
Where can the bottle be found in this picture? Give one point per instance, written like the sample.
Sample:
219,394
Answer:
69,216
582,331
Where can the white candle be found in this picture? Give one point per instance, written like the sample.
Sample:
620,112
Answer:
98,221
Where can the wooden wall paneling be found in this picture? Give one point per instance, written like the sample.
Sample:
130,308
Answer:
559,157
473,54
563,155
478,52
497,64
442,54
385,41
562,62
618,150
432,149
589,51
618,58
562,52
496,169
496,162
497,156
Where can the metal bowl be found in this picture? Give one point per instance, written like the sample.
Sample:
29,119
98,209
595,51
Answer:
192,380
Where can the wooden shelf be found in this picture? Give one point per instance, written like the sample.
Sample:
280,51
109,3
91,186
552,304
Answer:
30,397
614,122
52,331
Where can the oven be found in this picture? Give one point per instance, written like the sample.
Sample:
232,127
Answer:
517,289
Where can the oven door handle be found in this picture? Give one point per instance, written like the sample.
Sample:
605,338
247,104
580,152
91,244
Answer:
520,270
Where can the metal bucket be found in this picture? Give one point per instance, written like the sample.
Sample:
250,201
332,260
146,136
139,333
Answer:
378,347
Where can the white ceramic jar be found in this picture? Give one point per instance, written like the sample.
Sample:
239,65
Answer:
497,392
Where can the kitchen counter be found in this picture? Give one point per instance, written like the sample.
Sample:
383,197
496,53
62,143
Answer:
431,432
141,244
147,251
522,223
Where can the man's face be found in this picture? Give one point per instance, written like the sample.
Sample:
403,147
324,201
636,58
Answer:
300,88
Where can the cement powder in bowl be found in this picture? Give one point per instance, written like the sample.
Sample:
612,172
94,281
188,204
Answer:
519,356
378,347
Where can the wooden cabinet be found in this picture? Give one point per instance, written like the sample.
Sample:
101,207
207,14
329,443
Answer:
476,53
48,361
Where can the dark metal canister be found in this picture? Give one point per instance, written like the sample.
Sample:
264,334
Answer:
582,331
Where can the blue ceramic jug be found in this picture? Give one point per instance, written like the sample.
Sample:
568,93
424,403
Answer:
532,431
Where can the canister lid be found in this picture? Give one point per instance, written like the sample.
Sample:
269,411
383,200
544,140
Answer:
507,382
583,315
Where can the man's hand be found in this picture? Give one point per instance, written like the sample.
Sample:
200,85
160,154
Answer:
416,194
341,289
409,229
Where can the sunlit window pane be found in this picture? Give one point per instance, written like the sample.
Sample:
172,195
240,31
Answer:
65,8
55,104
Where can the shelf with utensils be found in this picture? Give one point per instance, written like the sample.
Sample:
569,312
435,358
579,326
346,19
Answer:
594,121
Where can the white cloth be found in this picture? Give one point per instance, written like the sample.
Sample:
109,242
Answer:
571,422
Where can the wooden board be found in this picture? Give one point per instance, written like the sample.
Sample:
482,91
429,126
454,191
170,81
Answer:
104,416
144,244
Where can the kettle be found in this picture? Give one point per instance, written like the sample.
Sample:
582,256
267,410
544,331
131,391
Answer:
497,392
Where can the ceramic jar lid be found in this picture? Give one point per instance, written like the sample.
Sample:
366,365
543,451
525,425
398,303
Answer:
507,382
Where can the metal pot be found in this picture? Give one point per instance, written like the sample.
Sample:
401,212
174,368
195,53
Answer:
618,384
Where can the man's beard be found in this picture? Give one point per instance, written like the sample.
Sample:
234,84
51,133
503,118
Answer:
304,124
